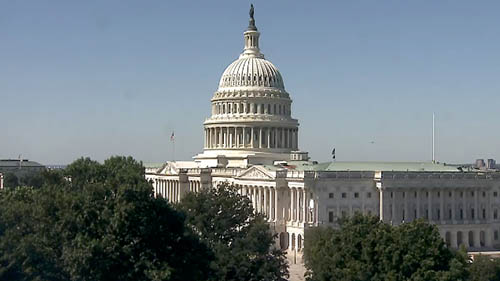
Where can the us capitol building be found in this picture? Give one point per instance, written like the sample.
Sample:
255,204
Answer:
251,142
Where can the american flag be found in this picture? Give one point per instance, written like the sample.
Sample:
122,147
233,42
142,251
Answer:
172,137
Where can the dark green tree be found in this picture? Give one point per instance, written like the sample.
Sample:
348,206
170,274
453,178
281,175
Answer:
241,240
363,248
35,179
484,268
10,180
101,222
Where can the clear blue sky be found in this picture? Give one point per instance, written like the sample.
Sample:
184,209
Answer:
102,78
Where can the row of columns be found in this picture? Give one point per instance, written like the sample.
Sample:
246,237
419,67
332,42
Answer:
476,238
194,186
433,208
299,211
250,108
264,200
168,189
251,137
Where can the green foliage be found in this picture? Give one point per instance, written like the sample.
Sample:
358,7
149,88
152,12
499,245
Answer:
484,268
241,240
10,180
102,224
35,179
366,249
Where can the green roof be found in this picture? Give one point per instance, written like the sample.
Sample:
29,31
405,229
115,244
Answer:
153,165
384,166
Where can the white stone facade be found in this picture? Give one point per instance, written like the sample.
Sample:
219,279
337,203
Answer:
251,141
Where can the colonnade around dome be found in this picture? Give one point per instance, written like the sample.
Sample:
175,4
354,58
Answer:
249,137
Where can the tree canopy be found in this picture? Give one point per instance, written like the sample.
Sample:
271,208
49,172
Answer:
96,222
364,248
241,240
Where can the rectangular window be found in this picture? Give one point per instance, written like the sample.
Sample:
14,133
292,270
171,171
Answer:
330,195
472,213
484,194
495,194
438,214
404,194
369,195
461,194
343,214
392,194
449,194
495,214
330,216
415,194
461,214
344,195
495,235
484,213
472,193
449,214
356,195
439,194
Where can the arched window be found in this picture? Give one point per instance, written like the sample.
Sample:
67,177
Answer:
293,241
471,239
459,238
299,242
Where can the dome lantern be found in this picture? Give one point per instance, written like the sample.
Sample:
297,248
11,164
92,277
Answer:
251,36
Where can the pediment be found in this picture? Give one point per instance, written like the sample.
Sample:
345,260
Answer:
167,169
258,173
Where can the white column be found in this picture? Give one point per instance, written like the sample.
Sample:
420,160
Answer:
230,135
271,203
292,205
220,136
264,211
251,139
237,136
259,202
418,204
305,205
275,216
260,137
298,205
268,137
244,137
282,137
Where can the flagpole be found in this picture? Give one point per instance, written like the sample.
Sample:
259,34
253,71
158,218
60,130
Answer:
172,139
433,140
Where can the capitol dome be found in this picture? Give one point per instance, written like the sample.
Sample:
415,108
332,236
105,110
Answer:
251,119
251,71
